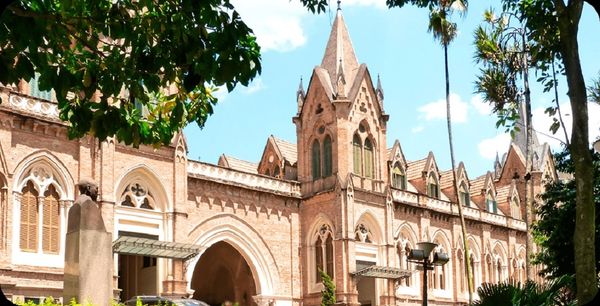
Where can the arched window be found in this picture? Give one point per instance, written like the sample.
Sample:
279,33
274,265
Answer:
357,154
29,218
490,270
324,257
499,276
398,177
515,207
319,258
490,201
474,271
432,186
327,160
316,160
463,194
368,158
51,221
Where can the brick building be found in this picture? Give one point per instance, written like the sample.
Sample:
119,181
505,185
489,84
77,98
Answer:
342,199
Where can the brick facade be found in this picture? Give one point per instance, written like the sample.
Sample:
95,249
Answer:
273,214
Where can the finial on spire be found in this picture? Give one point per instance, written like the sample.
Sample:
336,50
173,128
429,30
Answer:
339,3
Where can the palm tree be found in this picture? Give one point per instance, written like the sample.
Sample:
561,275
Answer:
554,292
444,31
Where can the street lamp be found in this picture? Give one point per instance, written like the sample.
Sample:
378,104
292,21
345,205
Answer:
420,255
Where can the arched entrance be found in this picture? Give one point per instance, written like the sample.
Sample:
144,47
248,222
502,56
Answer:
222,274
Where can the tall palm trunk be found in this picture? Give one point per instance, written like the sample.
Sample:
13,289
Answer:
460,213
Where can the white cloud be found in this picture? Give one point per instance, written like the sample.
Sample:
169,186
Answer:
542,122
417,129
276,23
256,85
437,110
482,107
488,148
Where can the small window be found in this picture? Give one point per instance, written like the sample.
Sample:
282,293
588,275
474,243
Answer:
327,157
463,195
276,171
369,158
316,160
432,186
398,177
491,204
357,154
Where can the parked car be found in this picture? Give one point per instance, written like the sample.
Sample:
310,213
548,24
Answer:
153,300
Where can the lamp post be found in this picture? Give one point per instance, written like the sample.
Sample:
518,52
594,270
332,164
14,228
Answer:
420,255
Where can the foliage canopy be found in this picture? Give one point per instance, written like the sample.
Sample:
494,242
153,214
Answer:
556,253
138,70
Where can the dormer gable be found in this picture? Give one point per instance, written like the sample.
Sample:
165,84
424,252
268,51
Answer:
425,176
397,167
462,183
279,159
483,189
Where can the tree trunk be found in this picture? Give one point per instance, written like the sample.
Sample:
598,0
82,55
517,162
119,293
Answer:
584,237
529,213
462,219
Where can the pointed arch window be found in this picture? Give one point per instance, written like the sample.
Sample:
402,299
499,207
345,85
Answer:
327,157
490,202
324,255
432,186
463,194
29,219
368,158
398,177
357,154
51,224
316,160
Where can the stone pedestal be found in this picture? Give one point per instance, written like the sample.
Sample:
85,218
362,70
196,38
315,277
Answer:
88,255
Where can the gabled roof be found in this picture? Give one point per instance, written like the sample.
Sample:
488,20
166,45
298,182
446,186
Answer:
288,150
395,153
238,164
415,169
339,59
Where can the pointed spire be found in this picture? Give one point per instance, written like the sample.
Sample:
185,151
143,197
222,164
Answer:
521,136
379,88
339,54
300,95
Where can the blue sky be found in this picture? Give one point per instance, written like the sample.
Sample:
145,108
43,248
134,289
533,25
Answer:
394,44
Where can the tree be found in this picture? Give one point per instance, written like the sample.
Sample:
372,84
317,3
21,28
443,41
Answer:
553,25
503,49
556,253
444,31
328,292
108,60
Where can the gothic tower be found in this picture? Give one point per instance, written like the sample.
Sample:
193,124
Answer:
342,168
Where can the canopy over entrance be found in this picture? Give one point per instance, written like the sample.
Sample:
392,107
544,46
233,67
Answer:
381,272
154,248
